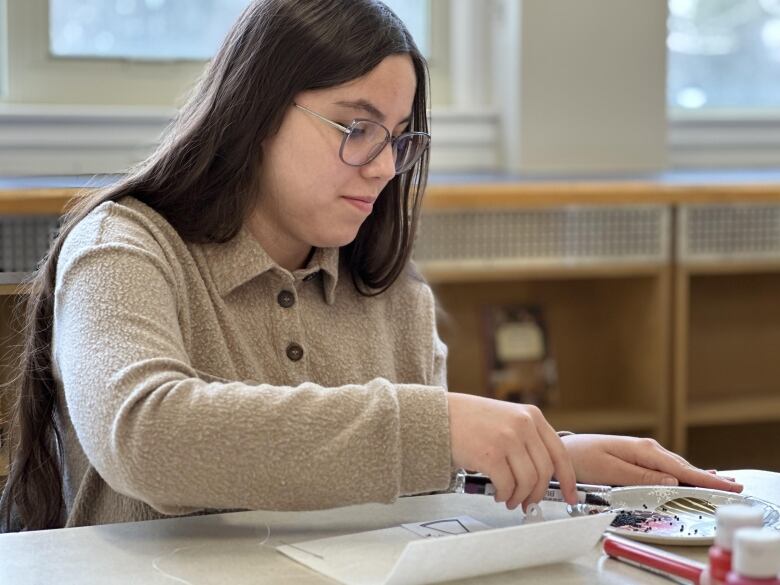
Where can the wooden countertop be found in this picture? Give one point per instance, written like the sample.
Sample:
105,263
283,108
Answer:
49,195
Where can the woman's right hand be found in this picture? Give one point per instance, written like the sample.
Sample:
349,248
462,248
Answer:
513,444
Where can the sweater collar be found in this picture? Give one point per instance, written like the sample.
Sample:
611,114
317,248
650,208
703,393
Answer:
242,259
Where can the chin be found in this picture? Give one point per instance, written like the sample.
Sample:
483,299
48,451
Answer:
335,240
338,234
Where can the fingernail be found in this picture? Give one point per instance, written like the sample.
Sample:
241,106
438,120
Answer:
668,481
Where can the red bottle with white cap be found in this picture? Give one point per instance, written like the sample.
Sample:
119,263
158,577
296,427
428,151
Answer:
756,557
729,519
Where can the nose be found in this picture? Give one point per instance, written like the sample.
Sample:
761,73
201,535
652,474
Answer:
383,166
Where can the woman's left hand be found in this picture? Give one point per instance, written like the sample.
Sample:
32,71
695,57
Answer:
614,460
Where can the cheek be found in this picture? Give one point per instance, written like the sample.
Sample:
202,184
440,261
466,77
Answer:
303,164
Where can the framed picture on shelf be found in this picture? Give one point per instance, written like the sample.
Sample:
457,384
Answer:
519,363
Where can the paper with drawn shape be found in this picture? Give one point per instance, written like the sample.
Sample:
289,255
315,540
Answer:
400,556
446,527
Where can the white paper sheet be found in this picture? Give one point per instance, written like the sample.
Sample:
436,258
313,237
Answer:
446,527
399,556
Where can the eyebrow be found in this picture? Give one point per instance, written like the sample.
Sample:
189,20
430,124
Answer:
370,108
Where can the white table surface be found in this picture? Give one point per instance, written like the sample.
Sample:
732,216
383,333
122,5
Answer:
239,547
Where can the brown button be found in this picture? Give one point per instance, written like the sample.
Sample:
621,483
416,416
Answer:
311,276
294,352
285,299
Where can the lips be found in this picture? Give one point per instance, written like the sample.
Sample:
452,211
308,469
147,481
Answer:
369,200
363,204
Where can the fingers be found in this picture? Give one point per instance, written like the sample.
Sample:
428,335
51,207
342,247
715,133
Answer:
622,472
511,443
655,455
726,477
666,466
533,456
686,465
544,468
503,478
563,468
700,478
528,476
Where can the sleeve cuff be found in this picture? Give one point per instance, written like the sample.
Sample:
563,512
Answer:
426,460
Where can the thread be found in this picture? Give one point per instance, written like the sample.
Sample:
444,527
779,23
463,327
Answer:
173,553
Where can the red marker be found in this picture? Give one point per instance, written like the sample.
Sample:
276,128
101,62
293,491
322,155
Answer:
653,559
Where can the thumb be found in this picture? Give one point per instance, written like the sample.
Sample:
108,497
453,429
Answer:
658,478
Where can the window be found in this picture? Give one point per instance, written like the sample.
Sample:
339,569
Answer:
140,29
723,54
723,83
58,48
90,84
166,29
416,17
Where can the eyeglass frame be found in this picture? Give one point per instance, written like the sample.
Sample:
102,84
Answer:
389,138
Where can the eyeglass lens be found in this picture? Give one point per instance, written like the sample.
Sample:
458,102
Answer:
366,139
408,150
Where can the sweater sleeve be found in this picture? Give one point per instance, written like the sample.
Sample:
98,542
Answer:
159,431
439,376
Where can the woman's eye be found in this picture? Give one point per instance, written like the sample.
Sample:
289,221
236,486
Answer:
357,133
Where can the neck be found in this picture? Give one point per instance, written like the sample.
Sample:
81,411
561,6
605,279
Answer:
288,253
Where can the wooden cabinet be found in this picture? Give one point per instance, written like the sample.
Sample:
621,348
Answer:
682,348
608,335
599,274
9,351
727,371
662,301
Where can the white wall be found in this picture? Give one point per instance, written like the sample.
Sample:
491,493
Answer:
590,85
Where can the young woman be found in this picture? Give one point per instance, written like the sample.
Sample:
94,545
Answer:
235,324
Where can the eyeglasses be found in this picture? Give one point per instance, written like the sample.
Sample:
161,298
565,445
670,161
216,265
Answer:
364,139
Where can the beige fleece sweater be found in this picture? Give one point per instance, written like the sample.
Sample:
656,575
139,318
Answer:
196,378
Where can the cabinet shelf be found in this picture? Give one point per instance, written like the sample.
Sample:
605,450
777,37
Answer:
13,289
730,266
734,411
498,271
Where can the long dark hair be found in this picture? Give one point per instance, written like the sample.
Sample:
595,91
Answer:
202,179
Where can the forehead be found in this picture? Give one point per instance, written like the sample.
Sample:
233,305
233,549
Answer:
390,86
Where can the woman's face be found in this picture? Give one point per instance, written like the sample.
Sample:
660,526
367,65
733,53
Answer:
308,196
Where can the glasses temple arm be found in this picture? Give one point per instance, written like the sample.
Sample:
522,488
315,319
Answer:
344,129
